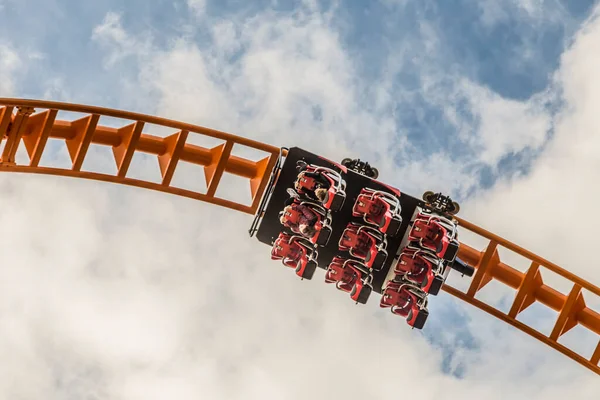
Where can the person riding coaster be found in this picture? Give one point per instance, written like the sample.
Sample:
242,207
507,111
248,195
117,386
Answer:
421,267
350,276
322,184
406,300
296,252
380,209
435,233
307,219
364,243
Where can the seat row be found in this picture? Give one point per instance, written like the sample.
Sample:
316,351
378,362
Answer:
422,267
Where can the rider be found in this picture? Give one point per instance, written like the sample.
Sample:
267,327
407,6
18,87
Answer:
307,220
321,183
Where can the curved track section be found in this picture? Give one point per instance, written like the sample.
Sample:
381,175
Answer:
530,288
32,123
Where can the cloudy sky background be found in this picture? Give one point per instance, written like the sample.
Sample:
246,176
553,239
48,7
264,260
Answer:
119,293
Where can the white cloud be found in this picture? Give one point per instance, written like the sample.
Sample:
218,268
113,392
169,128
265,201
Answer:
502,126
562,184
10,61
394,3
198,7
112,35
536,12
164,310
225,35
290,75
285,60
289,69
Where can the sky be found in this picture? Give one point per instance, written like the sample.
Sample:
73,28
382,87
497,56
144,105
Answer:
119,293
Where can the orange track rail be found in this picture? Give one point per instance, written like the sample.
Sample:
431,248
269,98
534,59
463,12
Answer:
33,122
19,123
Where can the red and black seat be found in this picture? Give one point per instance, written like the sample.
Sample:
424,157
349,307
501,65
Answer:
350,276
407,301
435,233
312,177
295,252
421,267
364,243
291,217
380,209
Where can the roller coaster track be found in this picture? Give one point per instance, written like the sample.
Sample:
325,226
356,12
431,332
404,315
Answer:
34,122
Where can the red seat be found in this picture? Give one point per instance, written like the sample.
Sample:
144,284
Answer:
374,209
291,219
405,302
289,251
358,243
335,185
307,184
418,266
295,253
379,209
364,243
341,274
350,276
431,234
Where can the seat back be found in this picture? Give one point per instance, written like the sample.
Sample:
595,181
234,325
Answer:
431,232
377,208
413,263
362,204
349,279
283,248
396,292
364,241
362,244
344,276
401,300
335,272
291,216
305,183
349,237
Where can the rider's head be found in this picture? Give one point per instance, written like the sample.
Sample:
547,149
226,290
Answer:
320,194
282,215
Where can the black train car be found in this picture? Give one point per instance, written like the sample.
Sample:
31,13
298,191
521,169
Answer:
277,194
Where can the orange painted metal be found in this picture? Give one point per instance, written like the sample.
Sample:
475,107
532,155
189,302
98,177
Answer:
34,122
19,122
530,288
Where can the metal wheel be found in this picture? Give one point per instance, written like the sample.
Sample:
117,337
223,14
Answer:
456,208
427,196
